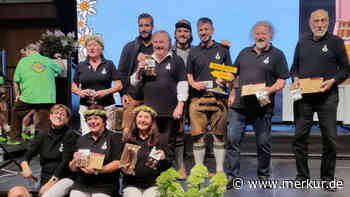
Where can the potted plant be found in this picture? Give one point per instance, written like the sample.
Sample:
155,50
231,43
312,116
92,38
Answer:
57,42
169,187
58,46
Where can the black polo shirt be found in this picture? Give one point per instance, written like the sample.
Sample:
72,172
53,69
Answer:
199,59
325,58
110,145
160,92
255,68
97,80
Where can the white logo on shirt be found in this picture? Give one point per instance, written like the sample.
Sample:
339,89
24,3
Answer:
325,48
61,148
104,71
167,66
104,146
217,57
267,60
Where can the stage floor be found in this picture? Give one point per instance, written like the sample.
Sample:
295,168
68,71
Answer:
282,169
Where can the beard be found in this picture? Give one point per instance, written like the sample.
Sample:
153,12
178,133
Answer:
261,44
183,43
319,33
147,38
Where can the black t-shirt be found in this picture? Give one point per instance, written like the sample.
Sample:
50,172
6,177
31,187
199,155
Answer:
255,68
145,177
108,144
55,148
325,58
97,80
198,63
160,92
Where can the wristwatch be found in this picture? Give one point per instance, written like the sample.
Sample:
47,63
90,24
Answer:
54,179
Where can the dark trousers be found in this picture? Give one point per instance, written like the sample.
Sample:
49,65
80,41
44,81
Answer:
262,127
168,130
325,104
20,109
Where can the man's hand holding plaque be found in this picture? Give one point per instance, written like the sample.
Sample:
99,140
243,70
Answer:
149,64
259,90
224,76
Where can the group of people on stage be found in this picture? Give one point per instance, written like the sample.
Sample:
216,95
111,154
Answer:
161,87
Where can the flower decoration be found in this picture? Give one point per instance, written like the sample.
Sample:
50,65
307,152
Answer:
85,7
57,42
82,35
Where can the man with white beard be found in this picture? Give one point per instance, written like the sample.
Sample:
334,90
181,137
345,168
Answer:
260,63
320,54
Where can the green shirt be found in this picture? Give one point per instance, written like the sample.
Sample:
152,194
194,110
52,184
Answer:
35,75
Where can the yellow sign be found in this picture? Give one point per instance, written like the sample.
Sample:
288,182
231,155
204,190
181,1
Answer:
221,75
222,67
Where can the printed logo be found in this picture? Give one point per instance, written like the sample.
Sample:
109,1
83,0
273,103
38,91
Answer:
325,48
167,66
104,71
104,146
217,57
267,60
61,148
38,67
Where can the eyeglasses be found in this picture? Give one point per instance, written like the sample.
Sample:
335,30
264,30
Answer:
60,113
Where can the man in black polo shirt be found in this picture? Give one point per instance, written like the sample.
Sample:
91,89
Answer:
320,54
260,63
183,36
167,91
204,104
128,64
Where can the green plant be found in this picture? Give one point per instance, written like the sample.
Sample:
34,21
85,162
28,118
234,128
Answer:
169,187
57,42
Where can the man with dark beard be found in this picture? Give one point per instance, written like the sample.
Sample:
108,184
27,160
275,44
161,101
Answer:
183,36
128,65
320,54
260,63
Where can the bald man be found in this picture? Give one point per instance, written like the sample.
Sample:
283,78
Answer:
320,54
18,191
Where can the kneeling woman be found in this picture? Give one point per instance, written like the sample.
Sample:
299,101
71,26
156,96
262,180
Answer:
91,182
141,181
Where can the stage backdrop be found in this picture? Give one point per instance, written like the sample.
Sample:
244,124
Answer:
116,22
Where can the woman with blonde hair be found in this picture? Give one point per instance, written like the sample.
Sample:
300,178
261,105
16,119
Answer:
93,81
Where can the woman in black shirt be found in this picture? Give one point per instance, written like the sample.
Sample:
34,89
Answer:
141,181
95,181
55,148
93,81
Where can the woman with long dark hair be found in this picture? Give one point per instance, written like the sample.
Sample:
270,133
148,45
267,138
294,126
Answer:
151,157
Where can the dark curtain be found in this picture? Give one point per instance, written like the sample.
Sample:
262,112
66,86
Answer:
308,6
67,15
67,20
